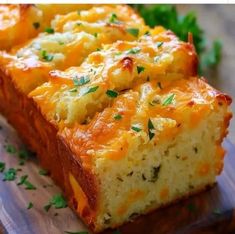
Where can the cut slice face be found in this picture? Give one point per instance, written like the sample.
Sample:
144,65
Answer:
155,150
29,66
76,94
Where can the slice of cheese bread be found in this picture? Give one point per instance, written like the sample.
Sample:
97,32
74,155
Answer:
114,109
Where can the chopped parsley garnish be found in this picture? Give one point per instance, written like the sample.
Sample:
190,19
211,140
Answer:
112,93
30,205
23,154
140,69
98,49
159,85
113,18
134,51
150,129
10,174
168,100
29,186
133,31
26,183
147,33
36,25
159,44
117,117
2,166
49,30
79,23
95,34
82,232
73,90
135,128
89,90
46,56
57,201
81,81
43,172
22,179
11,149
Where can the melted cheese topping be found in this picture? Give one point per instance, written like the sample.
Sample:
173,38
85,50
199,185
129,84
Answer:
69,47
104,136
15,18
116,67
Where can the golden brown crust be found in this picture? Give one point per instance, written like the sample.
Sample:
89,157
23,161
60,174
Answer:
35,131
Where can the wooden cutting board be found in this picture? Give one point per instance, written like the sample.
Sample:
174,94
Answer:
212,211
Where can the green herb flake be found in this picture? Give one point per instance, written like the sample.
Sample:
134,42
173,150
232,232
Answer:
159,44
150,130
43,172
133,31
36,25
135,50
168,100
81,232
57,201
22,179
21,162
140,69
95,34
111,93
30,205
117,117
2,166
10,174
26,183
147,33
46,56
113,18
73,90
81,81
29,186
135,128
11,149
24,154
78,23
49,30
88,90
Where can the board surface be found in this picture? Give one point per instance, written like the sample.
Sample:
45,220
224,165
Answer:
212,211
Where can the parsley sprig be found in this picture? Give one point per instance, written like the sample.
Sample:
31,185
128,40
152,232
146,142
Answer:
57,201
